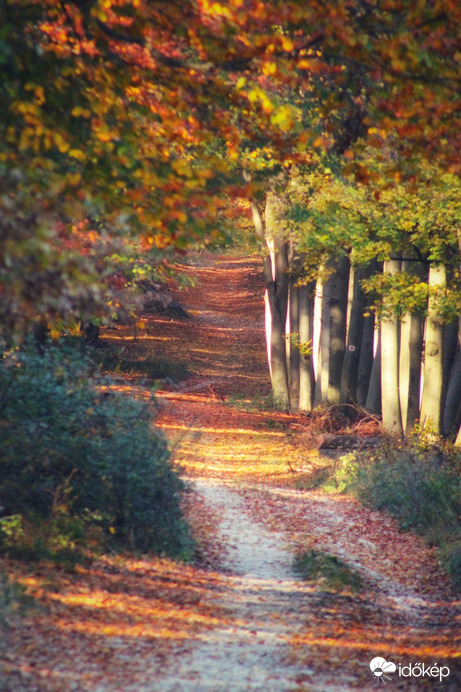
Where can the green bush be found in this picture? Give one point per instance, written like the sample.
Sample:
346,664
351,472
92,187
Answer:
80,462
419,483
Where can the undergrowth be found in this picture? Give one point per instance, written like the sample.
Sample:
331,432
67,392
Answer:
130,360
82,466
419,483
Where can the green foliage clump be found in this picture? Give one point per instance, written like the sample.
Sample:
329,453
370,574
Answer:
81,464
419,483
330,570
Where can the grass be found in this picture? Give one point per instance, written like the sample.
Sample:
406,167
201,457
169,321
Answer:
419,483
328,570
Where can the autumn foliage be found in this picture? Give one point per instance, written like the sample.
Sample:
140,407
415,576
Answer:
142,114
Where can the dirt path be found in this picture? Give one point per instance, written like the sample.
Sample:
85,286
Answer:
303,637
244,621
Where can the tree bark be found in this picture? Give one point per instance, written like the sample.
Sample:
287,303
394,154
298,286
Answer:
411,355
332,340
431,401
453,398
373,400
321,380
306,338
294,355
349,381
411,350
390,399
338,319
366,360
449,351
275,265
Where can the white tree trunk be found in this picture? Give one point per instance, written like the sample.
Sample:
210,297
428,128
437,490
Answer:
390,399
431,401
306,338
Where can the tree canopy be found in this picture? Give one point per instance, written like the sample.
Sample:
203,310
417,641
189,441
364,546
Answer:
128,120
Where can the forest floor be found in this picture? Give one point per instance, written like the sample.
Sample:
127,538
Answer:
242,619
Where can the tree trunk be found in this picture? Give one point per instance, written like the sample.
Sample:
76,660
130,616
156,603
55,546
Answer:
354,341
294,355
431,402
332,331
366,360
453,397
338,315
411,350
306,339
411,355
321,380
449,350
275,264
373,400
390,399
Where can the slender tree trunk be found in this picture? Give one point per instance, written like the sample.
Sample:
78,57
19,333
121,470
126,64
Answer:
321,380
277,294
453,397
431,402
411,355
411,350
390,399
449,350
306,338
354,341
275,264
332,331
366,360
294,355
373,400
338,315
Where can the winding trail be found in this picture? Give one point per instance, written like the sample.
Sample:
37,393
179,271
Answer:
243,620
283,634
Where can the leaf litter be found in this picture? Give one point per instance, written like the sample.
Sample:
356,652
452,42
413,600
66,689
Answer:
242,619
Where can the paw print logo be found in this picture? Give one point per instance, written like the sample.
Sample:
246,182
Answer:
379,667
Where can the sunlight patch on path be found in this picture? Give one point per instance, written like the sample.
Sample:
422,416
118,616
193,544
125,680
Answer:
261,598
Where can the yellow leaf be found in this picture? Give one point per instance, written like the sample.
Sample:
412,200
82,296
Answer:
269,68
77,154
268,106
74,178
104,135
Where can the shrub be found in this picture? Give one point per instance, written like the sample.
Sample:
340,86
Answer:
80,462
419,483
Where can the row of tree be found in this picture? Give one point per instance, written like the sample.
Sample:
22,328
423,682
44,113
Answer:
363,296
126,126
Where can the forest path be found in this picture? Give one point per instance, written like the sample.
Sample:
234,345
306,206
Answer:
242,620
278,632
